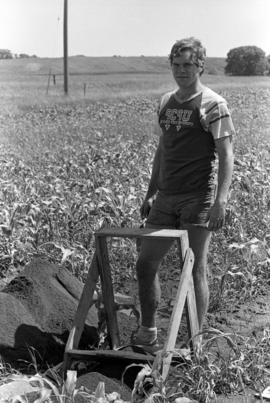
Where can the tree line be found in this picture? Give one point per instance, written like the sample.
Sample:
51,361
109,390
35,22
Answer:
240,61
7,54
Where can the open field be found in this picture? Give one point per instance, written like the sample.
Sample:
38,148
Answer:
72,164
79,65
25,81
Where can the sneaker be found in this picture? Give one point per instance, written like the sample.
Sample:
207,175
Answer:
151,348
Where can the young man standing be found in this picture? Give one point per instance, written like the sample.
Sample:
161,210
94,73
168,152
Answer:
194,125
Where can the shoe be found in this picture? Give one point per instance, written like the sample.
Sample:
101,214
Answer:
150,348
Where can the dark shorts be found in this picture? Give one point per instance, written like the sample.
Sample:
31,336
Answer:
177,211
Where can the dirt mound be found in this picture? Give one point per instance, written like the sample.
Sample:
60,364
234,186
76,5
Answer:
37,311
13,312
51,294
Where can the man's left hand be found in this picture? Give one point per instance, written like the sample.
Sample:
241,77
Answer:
217,216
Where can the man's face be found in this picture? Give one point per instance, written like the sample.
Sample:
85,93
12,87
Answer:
185,72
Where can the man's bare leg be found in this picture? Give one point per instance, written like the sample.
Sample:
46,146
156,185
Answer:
151,255
199,239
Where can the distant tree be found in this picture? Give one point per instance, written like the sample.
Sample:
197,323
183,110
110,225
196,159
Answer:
23,56
5,54
246,61
268,64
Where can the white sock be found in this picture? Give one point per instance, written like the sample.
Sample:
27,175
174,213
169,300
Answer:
147,335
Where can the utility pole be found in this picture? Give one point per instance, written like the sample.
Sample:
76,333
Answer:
66,47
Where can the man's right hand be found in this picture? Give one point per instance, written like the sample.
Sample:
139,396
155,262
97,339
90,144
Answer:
146,207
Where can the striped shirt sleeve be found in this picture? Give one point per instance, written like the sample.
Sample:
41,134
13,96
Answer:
216,117
219,121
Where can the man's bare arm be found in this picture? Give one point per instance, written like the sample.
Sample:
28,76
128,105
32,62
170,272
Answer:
225,170
153,185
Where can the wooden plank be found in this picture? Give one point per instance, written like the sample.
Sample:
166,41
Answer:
70,342
140,233
192,316
85,303
67,359
183,245
177,312
107,291
109,354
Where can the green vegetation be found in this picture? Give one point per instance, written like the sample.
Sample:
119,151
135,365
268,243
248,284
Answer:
71,165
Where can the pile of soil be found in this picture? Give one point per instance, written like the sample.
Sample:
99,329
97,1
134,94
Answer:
37,311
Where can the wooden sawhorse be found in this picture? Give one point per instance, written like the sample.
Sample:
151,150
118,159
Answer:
100,267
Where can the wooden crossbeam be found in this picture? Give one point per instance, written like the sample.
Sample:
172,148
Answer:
110,354
142,233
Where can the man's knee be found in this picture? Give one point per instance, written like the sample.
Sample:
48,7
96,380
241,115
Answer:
200,272
146,267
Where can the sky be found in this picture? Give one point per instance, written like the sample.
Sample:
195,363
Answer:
132,27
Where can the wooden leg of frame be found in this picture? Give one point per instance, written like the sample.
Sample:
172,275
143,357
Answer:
86,301
177,312
192,317
107,291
